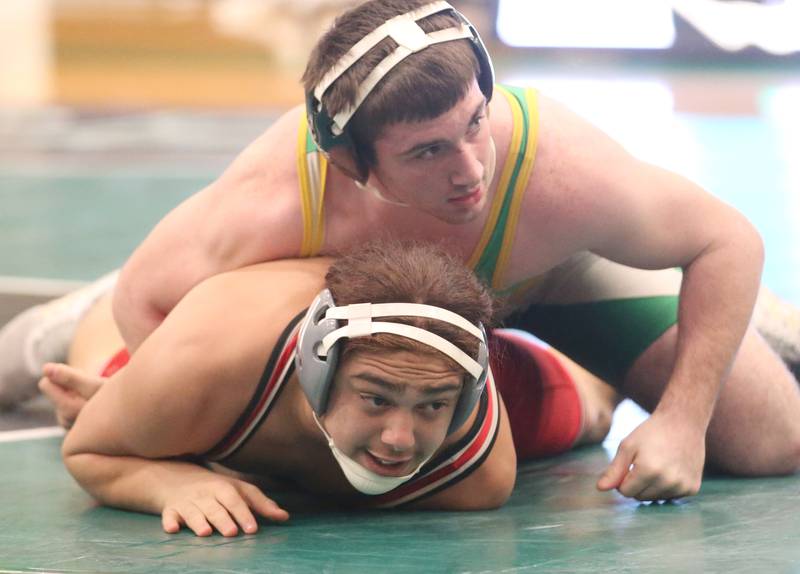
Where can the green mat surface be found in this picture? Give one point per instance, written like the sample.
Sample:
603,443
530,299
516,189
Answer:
554,522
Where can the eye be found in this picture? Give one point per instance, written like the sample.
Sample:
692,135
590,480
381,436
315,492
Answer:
475,124
435,407
429,152
374,400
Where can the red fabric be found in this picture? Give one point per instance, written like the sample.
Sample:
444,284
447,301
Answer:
115,363
544,408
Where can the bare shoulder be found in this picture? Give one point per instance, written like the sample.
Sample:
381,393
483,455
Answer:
241,311
277,283
272,154
251,213
240,314
599,197
579,177
254,207
266,167
560,128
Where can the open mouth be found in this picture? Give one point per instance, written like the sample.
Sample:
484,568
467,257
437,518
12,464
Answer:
386,466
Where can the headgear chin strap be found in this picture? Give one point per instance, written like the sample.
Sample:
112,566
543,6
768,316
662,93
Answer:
325,325
330,133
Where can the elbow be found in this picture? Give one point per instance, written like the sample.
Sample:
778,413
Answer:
133,309
495,487
122,299
500,488
759,252
73,466
77,460
83,467
71,456
74,462
750,244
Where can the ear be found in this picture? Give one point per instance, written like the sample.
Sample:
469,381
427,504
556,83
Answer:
343,158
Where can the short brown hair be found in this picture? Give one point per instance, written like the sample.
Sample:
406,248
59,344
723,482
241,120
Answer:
423,86
408,272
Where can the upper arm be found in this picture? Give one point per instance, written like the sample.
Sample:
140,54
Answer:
166,401
623,208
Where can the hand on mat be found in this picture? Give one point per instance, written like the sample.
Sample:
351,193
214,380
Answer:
69,389
211,502
662,459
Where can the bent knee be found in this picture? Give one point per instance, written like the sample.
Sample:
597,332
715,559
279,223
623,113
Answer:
776,459
789,461
598,426
598,403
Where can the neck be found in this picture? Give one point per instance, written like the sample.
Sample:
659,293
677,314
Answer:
368,187
379,218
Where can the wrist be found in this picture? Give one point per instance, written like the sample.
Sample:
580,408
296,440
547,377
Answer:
686,419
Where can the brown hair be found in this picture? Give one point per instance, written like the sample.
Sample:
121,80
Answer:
407,272
423,86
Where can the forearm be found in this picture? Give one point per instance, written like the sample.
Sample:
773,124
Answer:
131,483
717,297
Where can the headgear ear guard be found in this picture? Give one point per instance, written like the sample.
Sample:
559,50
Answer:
325,324
329,133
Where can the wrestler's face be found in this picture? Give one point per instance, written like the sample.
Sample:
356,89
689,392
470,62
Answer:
391,411
442,166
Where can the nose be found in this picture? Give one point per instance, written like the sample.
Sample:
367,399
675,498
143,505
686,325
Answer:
467,169
398,431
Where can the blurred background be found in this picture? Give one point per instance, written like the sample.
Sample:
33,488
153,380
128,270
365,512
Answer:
113,111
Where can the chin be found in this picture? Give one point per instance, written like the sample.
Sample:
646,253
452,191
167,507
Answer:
460,217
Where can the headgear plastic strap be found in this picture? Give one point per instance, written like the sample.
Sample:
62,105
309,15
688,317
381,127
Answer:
410,38
363,327
359,310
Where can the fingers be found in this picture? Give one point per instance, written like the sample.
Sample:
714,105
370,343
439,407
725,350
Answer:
239,510
227,510
656,493
68,389
171,521
67,403
657,461
616,472
173,517
649,485
261,503
218,515
73,379
638,482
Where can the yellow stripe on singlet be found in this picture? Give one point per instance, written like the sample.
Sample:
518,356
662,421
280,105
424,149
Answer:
529,154
302,174
502,185
311,171
322,167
